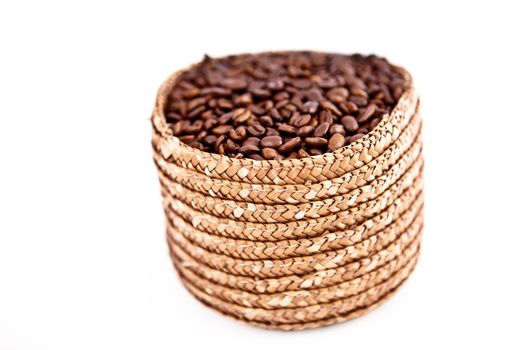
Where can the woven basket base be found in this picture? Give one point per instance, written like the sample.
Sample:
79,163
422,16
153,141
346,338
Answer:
355,313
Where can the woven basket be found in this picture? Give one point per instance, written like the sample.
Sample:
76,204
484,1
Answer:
300,243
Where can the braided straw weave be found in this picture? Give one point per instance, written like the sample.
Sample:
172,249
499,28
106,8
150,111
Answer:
299,243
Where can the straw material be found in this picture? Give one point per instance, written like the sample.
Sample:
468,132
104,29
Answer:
300,243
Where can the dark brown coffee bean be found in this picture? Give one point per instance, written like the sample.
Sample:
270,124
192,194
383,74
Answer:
331,107
302,153
350,123
234,84
237,134
224,103
210,139
196,102
231,146
303,120
287,129
338,94
271,141
252,141
196,112
241,115
256,156
316,141
374,123
222,129
316,152
256,130
359,101
355,137
187,138
272,132
336,141
269,153
305,131
366,113
337,129
362,130
215,91
310,107
326,117
249,149
321,130
276,84
290,145
266,120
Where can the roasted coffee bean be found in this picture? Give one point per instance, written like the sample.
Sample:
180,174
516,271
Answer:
350,123
366,113
336,141
302,153
252,140
241,115
276,84
266,120
272,106
321,130
355,137
249,149
269,153
256,130
305,131
316,141
210,139
374,123
290,145
302,120
326,117
196,102
271,141
310,107
287,129
237,134
337,129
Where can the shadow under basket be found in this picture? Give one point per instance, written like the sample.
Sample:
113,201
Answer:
300,243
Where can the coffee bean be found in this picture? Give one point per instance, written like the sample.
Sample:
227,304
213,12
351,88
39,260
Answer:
196,102
290,145
241,115
305,131
326,117
249,149
366,113
322,129
336,141
271,141
350,123
251,141
355,137
269,153
222,129
316,141
266,120
256,130
287,129
272,106
310,107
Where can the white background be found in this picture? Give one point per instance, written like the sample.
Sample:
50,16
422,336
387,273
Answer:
83,261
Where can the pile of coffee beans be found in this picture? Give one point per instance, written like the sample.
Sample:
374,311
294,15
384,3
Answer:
281,105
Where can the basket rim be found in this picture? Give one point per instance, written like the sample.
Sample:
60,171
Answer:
161,126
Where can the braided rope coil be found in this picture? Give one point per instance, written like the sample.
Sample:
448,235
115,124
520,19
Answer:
300,243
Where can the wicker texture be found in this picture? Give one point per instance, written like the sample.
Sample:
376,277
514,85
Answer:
300,243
